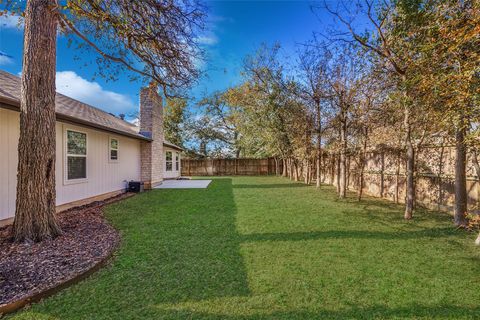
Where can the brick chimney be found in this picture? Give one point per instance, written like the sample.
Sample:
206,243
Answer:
151,126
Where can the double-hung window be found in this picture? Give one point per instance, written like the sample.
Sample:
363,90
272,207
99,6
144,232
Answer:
177,159
114,150
168,161
76,155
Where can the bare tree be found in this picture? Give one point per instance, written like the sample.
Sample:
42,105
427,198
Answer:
387,48
313,63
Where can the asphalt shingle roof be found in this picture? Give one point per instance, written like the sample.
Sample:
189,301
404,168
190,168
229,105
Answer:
69,109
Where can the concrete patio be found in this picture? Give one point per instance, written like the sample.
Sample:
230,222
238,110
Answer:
184,184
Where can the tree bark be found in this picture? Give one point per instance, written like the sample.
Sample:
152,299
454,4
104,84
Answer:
343,161
410,153
337,165
362,167
319,147
35,205
295,171
397,178
460,215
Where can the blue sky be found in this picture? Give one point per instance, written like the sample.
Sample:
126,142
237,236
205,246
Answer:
235,29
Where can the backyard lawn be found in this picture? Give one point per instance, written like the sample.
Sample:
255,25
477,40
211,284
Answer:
267,248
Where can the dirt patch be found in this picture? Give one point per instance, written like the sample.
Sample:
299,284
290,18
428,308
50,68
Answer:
28,269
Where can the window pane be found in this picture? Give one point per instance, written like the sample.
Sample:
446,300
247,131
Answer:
169,156
176,165
76,143
169,166
114,144
113,154
176,156
77,168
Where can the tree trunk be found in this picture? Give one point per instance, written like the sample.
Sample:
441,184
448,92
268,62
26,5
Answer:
460,215
410,183
319,147
295,171
306,175
337,164
362,166
35,205
343,161
397,178
382,174
284,169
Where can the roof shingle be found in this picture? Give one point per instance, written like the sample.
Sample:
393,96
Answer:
69,109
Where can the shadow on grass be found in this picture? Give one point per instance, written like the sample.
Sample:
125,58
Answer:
176,246
180,259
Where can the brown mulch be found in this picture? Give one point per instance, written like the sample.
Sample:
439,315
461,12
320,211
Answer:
27,269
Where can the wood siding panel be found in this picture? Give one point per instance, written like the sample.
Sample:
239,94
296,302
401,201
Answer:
103,175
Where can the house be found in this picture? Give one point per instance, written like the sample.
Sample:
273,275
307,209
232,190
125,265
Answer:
97,153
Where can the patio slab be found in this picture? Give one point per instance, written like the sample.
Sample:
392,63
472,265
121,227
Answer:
184,184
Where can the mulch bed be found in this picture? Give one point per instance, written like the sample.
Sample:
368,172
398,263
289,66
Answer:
28,269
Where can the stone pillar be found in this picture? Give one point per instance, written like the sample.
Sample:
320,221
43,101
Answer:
151,126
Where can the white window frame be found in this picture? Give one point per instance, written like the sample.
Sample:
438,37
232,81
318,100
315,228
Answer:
167,161
67,181
110,150
177,161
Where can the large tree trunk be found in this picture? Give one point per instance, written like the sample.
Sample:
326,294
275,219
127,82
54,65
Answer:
343,159
410,183
460,174
35,205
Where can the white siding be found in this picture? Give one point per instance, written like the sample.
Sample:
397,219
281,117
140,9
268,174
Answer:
174,173
9,134
103,176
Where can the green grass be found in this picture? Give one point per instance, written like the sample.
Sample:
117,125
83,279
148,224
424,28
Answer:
266,248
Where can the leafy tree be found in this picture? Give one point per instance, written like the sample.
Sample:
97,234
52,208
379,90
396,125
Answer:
155,39
216,123
174,118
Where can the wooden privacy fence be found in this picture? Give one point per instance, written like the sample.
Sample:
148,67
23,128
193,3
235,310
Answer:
230,167
384,177
384,174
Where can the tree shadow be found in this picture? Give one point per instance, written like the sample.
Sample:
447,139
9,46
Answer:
182,246
173,250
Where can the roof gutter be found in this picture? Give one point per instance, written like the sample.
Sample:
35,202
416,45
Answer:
172,146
